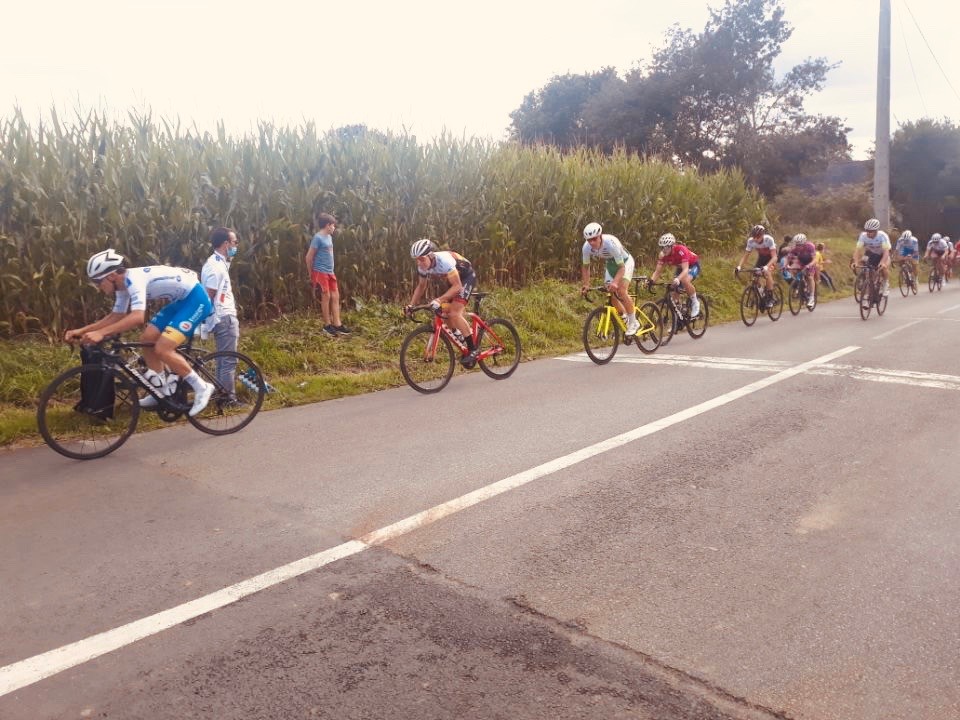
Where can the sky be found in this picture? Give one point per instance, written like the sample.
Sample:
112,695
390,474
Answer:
426,66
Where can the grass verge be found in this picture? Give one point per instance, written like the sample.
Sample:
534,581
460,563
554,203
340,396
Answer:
305,366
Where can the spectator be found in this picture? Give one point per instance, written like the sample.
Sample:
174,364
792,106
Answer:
822,262
319,261
223,323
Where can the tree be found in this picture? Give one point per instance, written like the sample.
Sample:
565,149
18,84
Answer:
925,176
711,100
555,113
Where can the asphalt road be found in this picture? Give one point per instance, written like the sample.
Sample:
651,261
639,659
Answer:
758,524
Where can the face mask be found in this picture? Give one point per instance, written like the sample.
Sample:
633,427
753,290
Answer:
231,252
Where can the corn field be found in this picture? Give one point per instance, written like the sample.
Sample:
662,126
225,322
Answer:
153,191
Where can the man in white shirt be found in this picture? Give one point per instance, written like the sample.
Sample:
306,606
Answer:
223,323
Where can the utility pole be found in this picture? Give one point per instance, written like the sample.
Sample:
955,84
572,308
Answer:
881,161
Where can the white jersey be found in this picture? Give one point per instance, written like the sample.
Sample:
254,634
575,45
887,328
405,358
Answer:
875,245
154,282
215,276
765,245
939,246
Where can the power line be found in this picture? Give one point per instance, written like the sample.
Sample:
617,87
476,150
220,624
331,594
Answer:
913,70
932,54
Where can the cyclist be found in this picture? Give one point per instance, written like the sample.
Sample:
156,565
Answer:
687,263
168,329
618,271
876,244
937,251
766,248
803,259
459,273
907,251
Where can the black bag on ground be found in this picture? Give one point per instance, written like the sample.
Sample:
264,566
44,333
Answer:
96,387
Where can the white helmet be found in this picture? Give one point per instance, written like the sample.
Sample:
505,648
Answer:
871,224
946,238
936,237
592,230
422,247
103,263
667,240
799,239
906,235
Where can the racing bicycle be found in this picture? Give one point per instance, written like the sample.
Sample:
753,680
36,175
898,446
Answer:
756,299
870,291
91,410
798,294
907,279
604,329
427,355
674,309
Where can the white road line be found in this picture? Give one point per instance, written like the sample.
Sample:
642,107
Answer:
949,309
36,668
888,333
900,377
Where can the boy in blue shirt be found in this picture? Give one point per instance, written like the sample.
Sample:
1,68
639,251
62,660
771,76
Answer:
319,261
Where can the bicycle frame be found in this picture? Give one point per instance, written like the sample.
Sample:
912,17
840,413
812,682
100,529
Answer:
612,315
475,322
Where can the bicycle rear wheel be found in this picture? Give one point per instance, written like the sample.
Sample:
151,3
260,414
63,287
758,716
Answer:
601,335
913,282
775,310
697,326
77,431
648,336
232,407
749,305
502,336
425,367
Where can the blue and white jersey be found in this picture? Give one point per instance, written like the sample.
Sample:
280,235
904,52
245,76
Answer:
154,282
764,246
908,247
876,244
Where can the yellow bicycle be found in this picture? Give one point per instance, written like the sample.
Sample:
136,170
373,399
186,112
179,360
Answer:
604,327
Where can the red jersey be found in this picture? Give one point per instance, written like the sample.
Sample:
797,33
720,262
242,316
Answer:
678,255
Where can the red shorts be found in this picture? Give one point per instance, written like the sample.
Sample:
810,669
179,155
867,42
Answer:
327,282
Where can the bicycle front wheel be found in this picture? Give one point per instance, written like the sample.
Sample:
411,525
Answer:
697,326
857,287
866,300
749,305
75,424
502,339
234,403
903,281
648,336
795,298
932,280
427,363
601,335
668,321
776,309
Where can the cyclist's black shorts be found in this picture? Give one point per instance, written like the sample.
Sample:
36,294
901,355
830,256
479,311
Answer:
874,259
